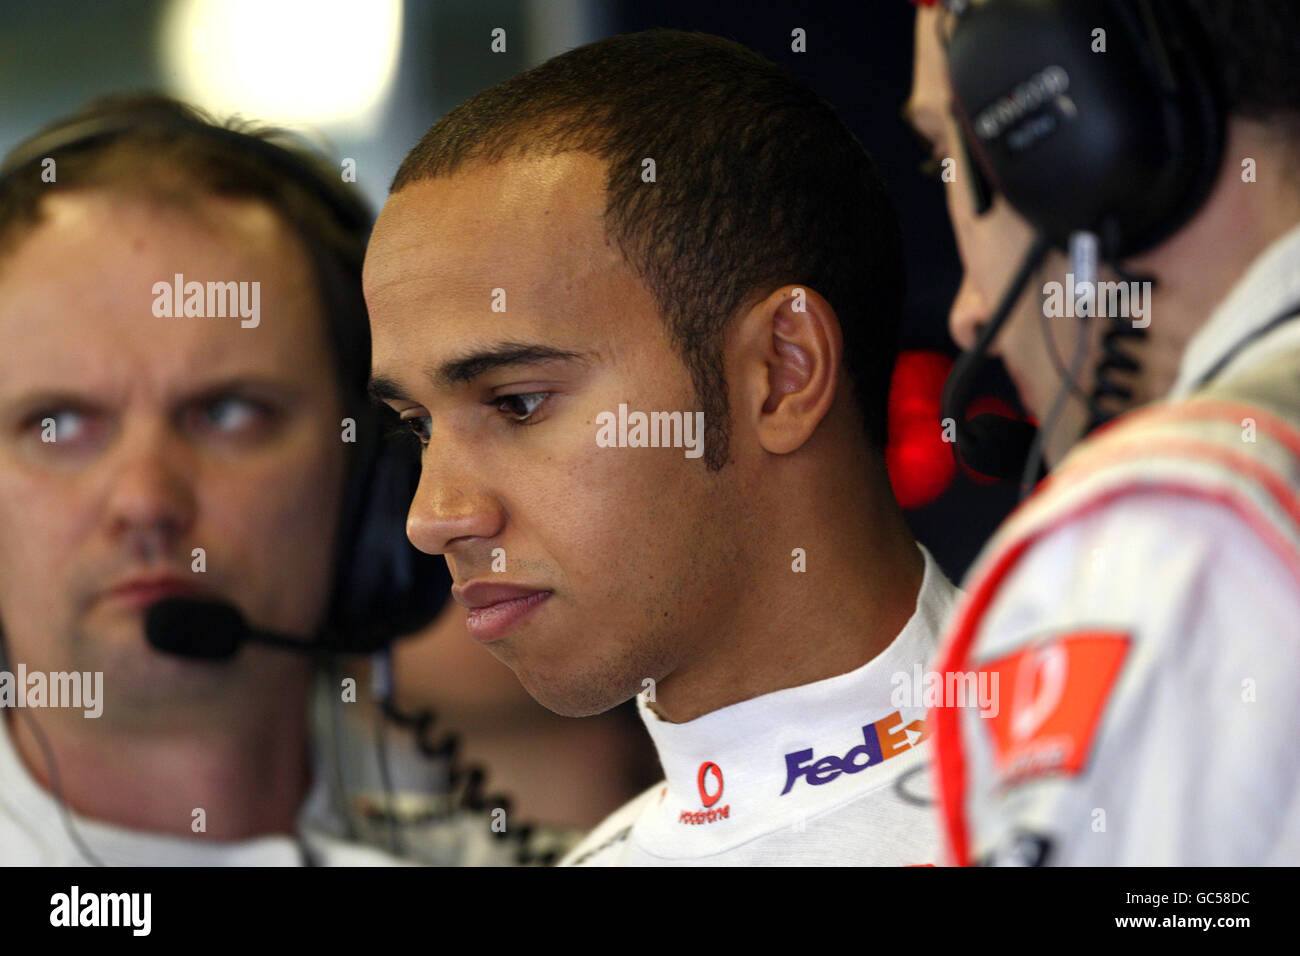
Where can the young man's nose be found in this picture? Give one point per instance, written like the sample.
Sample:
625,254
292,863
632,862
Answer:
450,506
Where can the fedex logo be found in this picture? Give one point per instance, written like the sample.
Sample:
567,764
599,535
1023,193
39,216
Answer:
885,738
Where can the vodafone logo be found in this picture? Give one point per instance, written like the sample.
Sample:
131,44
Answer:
709,783
702,781
1060,691
1040,682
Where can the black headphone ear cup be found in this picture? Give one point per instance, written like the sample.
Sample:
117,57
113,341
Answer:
1201,117
1125,142
384,588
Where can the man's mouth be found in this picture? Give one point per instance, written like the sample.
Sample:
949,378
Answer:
493,609
143,590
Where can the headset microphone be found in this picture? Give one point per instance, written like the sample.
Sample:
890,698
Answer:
992,444
212,630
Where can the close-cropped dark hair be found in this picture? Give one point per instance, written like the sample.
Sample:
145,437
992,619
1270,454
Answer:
1257,45
163,150
758,184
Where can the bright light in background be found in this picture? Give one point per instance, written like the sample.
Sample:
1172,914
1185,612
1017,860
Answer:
324,63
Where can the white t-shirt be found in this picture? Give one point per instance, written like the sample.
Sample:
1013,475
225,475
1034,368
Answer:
349,817
33,832
831,773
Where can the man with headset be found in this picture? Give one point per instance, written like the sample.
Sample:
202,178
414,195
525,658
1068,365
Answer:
183,418
1142,609
666,231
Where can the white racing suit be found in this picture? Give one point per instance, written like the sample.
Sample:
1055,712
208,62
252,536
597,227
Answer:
1142,614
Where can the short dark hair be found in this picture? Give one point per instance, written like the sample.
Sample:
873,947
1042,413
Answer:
759,184
1257,46
164,150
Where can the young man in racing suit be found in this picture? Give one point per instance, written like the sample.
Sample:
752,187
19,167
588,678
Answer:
599,570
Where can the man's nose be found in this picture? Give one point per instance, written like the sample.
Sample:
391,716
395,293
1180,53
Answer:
450,506
969,311
151,494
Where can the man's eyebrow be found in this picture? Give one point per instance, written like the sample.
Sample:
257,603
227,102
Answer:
219,387
42,397
382,389
465,368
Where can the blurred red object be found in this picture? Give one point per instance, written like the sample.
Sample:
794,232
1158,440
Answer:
921,464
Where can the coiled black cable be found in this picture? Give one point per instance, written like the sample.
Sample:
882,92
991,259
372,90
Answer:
1111,395
469,780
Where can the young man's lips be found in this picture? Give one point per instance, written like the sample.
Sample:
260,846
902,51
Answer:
494,608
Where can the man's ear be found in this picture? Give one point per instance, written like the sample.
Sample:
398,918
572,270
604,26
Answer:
790,348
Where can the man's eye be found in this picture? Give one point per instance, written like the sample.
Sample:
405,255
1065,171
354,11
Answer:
519,408
63,426
420,426
932,169
935,150
229,415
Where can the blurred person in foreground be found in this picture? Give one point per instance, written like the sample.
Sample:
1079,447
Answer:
1142,609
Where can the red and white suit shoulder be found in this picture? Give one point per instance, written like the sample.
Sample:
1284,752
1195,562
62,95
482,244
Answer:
1141,615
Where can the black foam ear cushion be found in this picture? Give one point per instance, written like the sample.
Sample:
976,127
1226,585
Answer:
384,587
1125,143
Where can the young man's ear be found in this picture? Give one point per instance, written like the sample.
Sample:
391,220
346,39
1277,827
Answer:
790,350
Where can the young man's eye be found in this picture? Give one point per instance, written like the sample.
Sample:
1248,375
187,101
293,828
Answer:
420,426
519,408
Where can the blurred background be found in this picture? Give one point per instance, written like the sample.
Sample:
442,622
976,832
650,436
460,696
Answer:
365,80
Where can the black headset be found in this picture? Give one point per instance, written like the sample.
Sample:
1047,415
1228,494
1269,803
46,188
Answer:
1124,144
382,586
